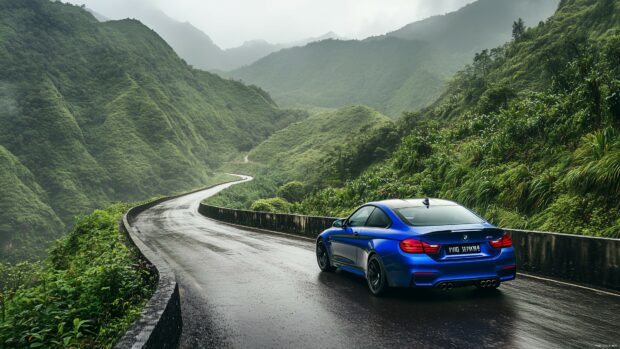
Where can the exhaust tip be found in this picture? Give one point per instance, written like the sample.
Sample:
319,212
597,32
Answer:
489,283
445,286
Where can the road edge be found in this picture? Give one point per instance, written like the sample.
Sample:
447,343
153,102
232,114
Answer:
160,323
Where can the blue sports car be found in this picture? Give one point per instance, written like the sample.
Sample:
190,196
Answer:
418,243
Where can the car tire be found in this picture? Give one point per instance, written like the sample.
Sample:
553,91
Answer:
376,276
322,257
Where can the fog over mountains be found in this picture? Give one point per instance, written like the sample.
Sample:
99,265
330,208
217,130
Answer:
196,47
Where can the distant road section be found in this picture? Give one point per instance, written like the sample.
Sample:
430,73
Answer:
256,290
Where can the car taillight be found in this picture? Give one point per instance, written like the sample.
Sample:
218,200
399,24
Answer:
505,241
417,246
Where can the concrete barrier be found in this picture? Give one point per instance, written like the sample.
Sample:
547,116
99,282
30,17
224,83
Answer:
308,226
160,323
582,259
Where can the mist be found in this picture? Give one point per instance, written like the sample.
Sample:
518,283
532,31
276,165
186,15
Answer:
233,22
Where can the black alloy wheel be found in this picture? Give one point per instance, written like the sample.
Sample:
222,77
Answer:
375,275
322,257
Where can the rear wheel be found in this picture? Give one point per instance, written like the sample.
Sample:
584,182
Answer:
375,275
322,257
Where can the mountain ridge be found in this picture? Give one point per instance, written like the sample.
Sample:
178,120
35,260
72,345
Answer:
526,135
360,67
197,48
101,112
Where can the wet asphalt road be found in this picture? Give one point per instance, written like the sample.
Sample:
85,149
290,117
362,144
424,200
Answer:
256,290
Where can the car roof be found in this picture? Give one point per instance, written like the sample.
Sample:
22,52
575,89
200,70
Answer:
400,203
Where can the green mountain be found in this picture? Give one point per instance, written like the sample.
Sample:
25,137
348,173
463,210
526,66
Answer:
297,150
403,70
299,153
97,112
528,135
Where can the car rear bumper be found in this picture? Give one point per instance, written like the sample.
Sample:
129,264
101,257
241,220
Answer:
423,271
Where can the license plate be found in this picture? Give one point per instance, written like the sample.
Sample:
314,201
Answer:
463,249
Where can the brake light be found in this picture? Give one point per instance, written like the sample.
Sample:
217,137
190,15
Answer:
505,241
417,246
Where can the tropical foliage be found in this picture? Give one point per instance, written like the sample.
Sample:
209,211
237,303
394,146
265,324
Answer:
86,293
306,155
527,135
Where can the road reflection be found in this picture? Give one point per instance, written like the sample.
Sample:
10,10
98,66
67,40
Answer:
463,317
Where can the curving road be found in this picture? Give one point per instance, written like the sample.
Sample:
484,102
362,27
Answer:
246,289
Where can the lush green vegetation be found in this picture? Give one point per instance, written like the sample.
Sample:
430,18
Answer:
403,70
92,113
528,135
302,155
88,291
297,150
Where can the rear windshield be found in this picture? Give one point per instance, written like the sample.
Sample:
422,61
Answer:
437,215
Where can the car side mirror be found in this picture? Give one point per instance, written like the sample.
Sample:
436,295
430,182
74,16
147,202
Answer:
339,223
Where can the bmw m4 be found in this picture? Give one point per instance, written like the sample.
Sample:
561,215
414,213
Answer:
418,243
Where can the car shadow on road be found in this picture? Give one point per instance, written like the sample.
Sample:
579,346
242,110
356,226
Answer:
353,284
460,318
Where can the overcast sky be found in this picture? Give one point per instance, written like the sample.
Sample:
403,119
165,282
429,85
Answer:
231,22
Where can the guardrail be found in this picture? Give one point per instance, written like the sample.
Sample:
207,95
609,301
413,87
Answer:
160,323
583,259
309,226
579,258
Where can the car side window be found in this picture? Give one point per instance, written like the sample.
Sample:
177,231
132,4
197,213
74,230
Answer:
378,219
360,217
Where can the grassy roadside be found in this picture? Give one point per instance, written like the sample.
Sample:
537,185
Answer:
87,292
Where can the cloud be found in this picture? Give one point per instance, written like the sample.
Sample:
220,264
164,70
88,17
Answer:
229,23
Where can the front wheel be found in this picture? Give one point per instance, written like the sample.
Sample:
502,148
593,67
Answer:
322,257
375,275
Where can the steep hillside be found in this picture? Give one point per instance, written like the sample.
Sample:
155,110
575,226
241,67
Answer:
297,150
300,152
478,25
96,112
86,294
24,207
403,70
189,42
528,135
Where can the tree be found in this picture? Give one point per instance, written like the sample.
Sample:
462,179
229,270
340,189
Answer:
292,191
482,63
518,29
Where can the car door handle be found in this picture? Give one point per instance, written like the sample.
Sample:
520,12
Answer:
356,233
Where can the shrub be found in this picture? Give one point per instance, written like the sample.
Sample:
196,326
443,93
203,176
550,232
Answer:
271,205
292,191
86,294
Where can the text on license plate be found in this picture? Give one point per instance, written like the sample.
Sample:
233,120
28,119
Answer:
463,249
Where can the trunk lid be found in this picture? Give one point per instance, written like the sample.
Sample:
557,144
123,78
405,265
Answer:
461,242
